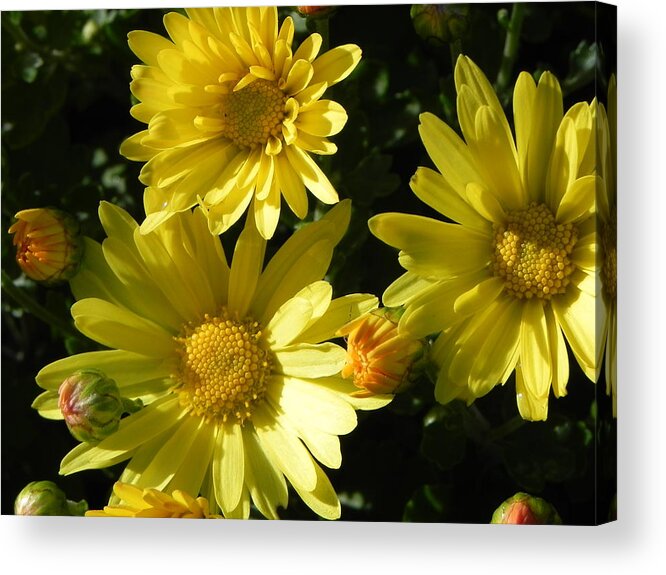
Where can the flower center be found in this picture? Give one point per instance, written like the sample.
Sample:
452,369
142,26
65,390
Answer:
609,265
253,114
532,253
224,367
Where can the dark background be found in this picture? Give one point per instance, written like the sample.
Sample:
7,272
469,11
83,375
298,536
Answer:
65,103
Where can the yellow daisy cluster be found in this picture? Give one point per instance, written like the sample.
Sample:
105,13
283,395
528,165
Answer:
241,393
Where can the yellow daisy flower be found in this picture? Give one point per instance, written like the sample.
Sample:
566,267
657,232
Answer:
153,503
516,274
606,123
241,387
234,114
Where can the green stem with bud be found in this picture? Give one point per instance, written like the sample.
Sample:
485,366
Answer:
510,52
29,304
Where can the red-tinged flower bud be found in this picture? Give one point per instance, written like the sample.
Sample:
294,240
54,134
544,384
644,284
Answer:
48,244
315,11
524,509
380,359
46,498
440,23
92,406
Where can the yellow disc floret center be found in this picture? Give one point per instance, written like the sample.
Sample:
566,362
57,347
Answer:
609,264
532,253
253,114
224,367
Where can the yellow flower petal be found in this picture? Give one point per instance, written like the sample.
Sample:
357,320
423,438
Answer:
124,367
312,175
322,499
559,357
563,164
308,360
531,407
312,406
340,311
578,200
449,153
120,328
436,191
284,449
336,64
265,482
406,287
487,346
423,240
190,476
301,260
535,354
544,118
147,45
168,459
322,118
229,467
48,405
295,315
576,313
245,269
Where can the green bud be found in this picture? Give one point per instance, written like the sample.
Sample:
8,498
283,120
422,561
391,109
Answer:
92,406
440,23
524,509
46,498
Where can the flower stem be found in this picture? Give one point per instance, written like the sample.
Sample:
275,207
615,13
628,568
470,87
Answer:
510,52
322,27
28,303
456,49
507,428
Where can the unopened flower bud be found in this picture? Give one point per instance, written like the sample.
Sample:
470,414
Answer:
48,244
524,509
91,405
440,23
46,498
379,358
315,11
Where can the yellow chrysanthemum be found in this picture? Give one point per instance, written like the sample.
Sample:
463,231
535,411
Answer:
233,116
137,502
516,274
606,123
241,387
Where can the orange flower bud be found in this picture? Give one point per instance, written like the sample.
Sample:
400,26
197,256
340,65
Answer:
315,11
48,245
379,359
524,509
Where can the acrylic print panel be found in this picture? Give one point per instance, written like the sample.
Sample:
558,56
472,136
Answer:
350,263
